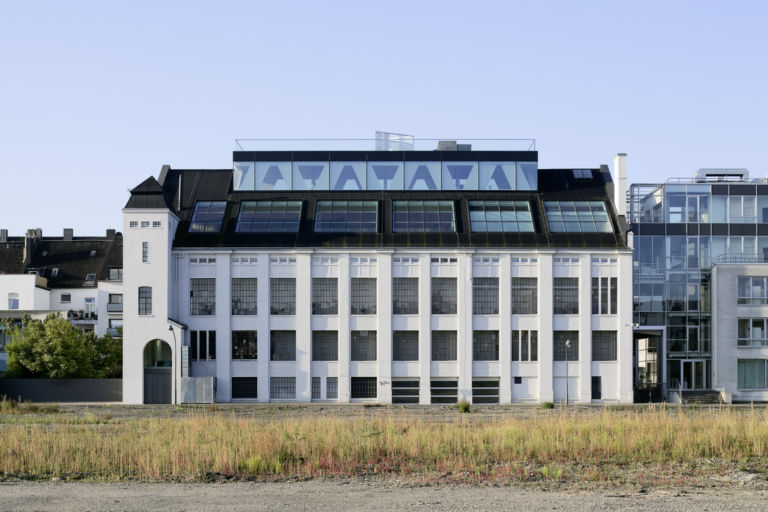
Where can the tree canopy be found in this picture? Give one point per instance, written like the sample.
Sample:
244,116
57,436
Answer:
55,349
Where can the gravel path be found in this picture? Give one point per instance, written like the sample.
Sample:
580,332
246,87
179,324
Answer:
340,497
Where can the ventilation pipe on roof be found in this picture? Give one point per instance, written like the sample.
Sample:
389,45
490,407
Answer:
620,183
110,234
68,234
178,204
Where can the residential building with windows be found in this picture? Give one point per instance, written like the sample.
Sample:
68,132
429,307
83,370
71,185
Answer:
400,274
699,247
79,277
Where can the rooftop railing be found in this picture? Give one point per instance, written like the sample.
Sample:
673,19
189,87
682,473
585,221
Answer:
739,258
394,142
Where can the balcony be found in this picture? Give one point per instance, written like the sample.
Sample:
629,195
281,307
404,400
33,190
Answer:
115,307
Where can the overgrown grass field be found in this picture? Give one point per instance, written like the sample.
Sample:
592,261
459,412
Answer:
655,444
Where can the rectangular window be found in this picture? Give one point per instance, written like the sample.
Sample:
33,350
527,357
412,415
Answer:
202,296
145,300
145,252
202,345
316,383
405,345
752,290
207,217
565,296
604,291
485,345
485,391
750,374
524,295
752,332
325,296
134,224
244,345
604,346
145,223
269,217
500,216
282,388
525,345
485,296
116,274
363,387
332,388
566,345
67,298
363,296
405,295
245,387
346,217
325,345
244,294
282,345
282,296
443,295
363,345
577,216
444,346
423,216
405,391
444,391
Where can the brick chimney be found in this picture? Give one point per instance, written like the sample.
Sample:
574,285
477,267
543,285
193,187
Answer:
68,234
30,241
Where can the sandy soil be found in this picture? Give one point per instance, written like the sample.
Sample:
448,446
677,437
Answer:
341,497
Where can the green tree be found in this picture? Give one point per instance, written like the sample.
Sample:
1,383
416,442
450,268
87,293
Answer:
56,349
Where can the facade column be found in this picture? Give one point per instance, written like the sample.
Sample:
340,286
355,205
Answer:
505,331
344,319
425,328
262,327
584,362
223,328
384,331
546,352
625,331
303,326
464,325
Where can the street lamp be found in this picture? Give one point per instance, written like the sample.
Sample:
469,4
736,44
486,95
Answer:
567,346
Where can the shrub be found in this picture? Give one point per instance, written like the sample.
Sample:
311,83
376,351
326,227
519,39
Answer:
547,405
463,405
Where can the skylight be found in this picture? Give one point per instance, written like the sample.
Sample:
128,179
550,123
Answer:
577,216
500,216
423,216
207,217
269,217
346,217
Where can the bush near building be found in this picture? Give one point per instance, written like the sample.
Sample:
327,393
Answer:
55,349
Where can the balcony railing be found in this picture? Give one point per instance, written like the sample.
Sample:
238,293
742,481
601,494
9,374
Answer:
115,307
114,332
391,142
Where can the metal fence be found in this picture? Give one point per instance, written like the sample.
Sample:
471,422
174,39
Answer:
63,390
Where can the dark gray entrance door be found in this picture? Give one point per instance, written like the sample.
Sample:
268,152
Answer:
157,385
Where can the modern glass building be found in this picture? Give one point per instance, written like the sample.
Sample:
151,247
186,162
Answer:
681,229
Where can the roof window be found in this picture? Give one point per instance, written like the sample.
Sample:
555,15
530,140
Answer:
423,216
346,217
269,217
208,217
500,216
577,216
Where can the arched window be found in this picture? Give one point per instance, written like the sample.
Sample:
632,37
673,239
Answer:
13,301
145,300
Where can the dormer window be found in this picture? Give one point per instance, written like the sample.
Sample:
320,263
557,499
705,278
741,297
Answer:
90,280
93,253
54,272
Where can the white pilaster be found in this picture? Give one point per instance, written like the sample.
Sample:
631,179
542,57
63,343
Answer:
546,364
384,333
304,327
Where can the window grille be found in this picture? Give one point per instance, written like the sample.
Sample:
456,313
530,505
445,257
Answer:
405,345
244,296
604,346
325,296
145,300
485,296
282,296
282,388
363,387
282,345
524,295
405,295
363,345
332,388
559,339
316,382
202,296
244,345
325,345
565,295
443,295
245,387
444,346
485,345
363,296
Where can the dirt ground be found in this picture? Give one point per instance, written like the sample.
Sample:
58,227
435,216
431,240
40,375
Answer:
353,496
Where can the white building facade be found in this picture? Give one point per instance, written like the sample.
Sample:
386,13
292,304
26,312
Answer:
493,287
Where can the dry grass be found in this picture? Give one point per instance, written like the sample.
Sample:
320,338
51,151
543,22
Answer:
543,445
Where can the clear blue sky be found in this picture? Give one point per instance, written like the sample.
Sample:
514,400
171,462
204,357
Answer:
96,96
